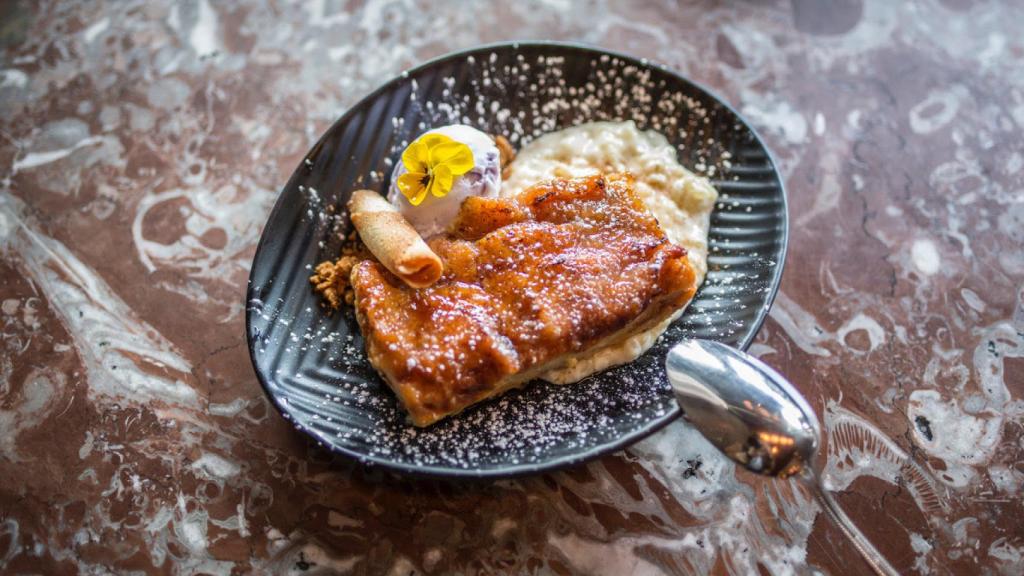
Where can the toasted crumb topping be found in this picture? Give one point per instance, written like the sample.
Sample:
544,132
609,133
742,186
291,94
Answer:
331,279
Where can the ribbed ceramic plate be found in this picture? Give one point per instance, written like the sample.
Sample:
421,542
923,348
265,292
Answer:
313,365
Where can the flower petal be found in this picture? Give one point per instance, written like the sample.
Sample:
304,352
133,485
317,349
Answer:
411,186
441,183
456,155
420,196
415,158
432,140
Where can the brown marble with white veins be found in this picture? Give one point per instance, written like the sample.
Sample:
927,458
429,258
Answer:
143,143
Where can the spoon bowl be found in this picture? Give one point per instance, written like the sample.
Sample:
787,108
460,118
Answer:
746,409
756,417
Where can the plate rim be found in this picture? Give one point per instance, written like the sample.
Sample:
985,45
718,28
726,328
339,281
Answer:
512,470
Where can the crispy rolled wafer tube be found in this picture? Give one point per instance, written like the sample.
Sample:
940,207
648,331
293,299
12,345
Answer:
392,240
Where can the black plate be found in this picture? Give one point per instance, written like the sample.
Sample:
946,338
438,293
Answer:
313,365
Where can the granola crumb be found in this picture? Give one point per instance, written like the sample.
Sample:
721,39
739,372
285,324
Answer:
331,279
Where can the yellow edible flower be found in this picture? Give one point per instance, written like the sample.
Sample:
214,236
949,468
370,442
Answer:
433,162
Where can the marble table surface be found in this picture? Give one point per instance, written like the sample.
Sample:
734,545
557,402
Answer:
142,145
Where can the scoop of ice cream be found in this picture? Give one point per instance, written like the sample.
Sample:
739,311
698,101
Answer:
434,214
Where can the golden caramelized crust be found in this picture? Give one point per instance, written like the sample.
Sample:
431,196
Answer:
529,283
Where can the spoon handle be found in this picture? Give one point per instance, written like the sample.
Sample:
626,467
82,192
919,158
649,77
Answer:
870,554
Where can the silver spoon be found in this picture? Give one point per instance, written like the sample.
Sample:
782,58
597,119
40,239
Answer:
754,416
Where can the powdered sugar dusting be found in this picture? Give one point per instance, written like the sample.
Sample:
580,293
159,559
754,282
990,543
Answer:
550,95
